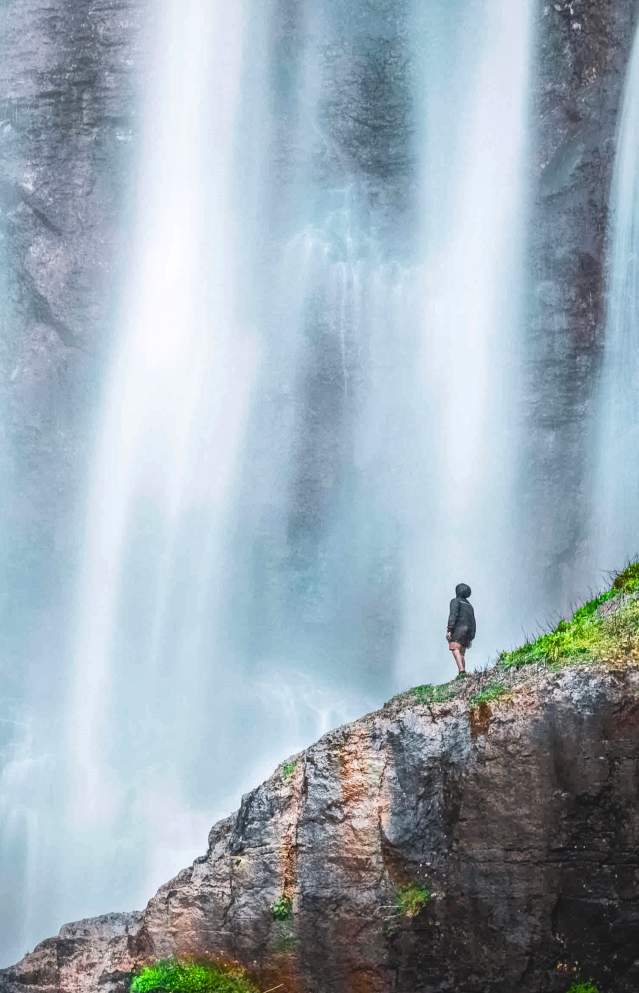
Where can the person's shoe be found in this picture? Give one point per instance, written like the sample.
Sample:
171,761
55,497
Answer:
461,675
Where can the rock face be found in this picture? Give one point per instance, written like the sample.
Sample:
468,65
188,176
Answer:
520,817
68,114
583,48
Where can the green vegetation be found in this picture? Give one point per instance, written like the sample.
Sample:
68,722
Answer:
492,692
433,694
285,938
587,636
288,769
590,635
175,976
412,899
628,579
282,908
582,987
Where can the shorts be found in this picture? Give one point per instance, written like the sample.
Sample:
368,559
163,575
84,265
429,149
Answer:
455,646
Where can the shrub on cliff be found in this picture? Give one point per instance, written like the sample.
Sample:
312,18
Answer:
282,908
191,977
288,768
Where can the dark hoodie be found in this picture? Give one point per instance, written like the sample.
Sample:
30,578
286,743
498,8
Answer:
461,619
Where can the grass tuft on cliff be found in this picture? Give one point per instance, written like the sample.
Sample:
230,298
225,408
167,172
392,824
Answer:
491,693
430,693
605,630
174,976
582,987
288,768
628,579
411,899
590,634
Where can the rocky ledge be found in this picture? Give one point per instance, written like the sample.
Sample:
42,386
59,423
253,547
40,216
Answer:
466,845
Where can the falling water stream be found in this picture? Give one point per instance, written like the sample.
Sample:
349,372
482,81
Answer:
615,529
461,524
175,407
308,428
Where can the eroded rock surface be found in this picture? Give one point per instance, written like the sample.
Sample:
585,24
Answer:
579,72
520,817
68,125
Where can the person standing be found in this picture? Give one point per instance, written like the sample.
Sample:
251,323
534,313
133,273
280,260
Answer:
461,626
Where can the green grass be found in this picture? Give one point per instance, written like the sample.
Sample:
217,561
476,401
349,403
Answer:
288,769
582,987
411,899
491,693
586,636
282,908
589,609
433,694
628,579
173,976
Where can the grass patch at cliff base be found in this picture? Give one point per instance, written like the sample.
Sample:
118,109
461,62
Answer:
583,987
177,976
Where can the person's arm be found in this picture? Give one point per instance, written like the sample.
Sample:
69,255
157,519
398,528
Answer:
452,617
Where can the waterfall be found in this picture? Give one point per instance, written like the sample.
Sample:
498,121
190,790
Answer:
99,787
615,532
148,607
472,148
300,447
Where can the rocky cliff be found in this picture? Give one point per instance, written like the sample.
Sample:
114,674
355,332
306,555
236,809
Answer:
68,127
516,819
68,74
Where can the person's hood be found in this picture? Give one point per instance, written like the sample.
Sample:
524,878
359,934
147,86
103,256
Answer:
463,591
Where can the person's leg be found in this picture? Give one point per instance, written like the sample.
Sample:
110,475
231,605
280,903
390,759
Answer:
459,659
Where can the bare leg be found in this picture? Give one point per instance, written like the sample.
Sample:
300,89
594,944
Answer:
458,655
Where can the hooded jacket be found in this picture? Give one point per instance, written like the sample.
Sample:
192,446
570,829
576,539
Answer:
461,619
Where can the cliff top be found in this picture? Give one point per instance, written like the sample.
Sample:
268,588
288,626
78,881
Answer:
474,837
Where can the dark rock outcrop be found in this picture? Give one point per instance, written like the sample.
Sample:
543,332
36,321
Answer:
521,818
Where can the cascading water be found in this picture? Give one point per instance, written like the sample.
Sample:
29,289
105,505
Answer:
109,752
297,455
473,159
149,629
615,528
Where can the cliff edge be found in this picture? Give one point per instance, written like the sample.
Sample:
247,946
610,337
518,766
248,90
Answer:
477,837
517,818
